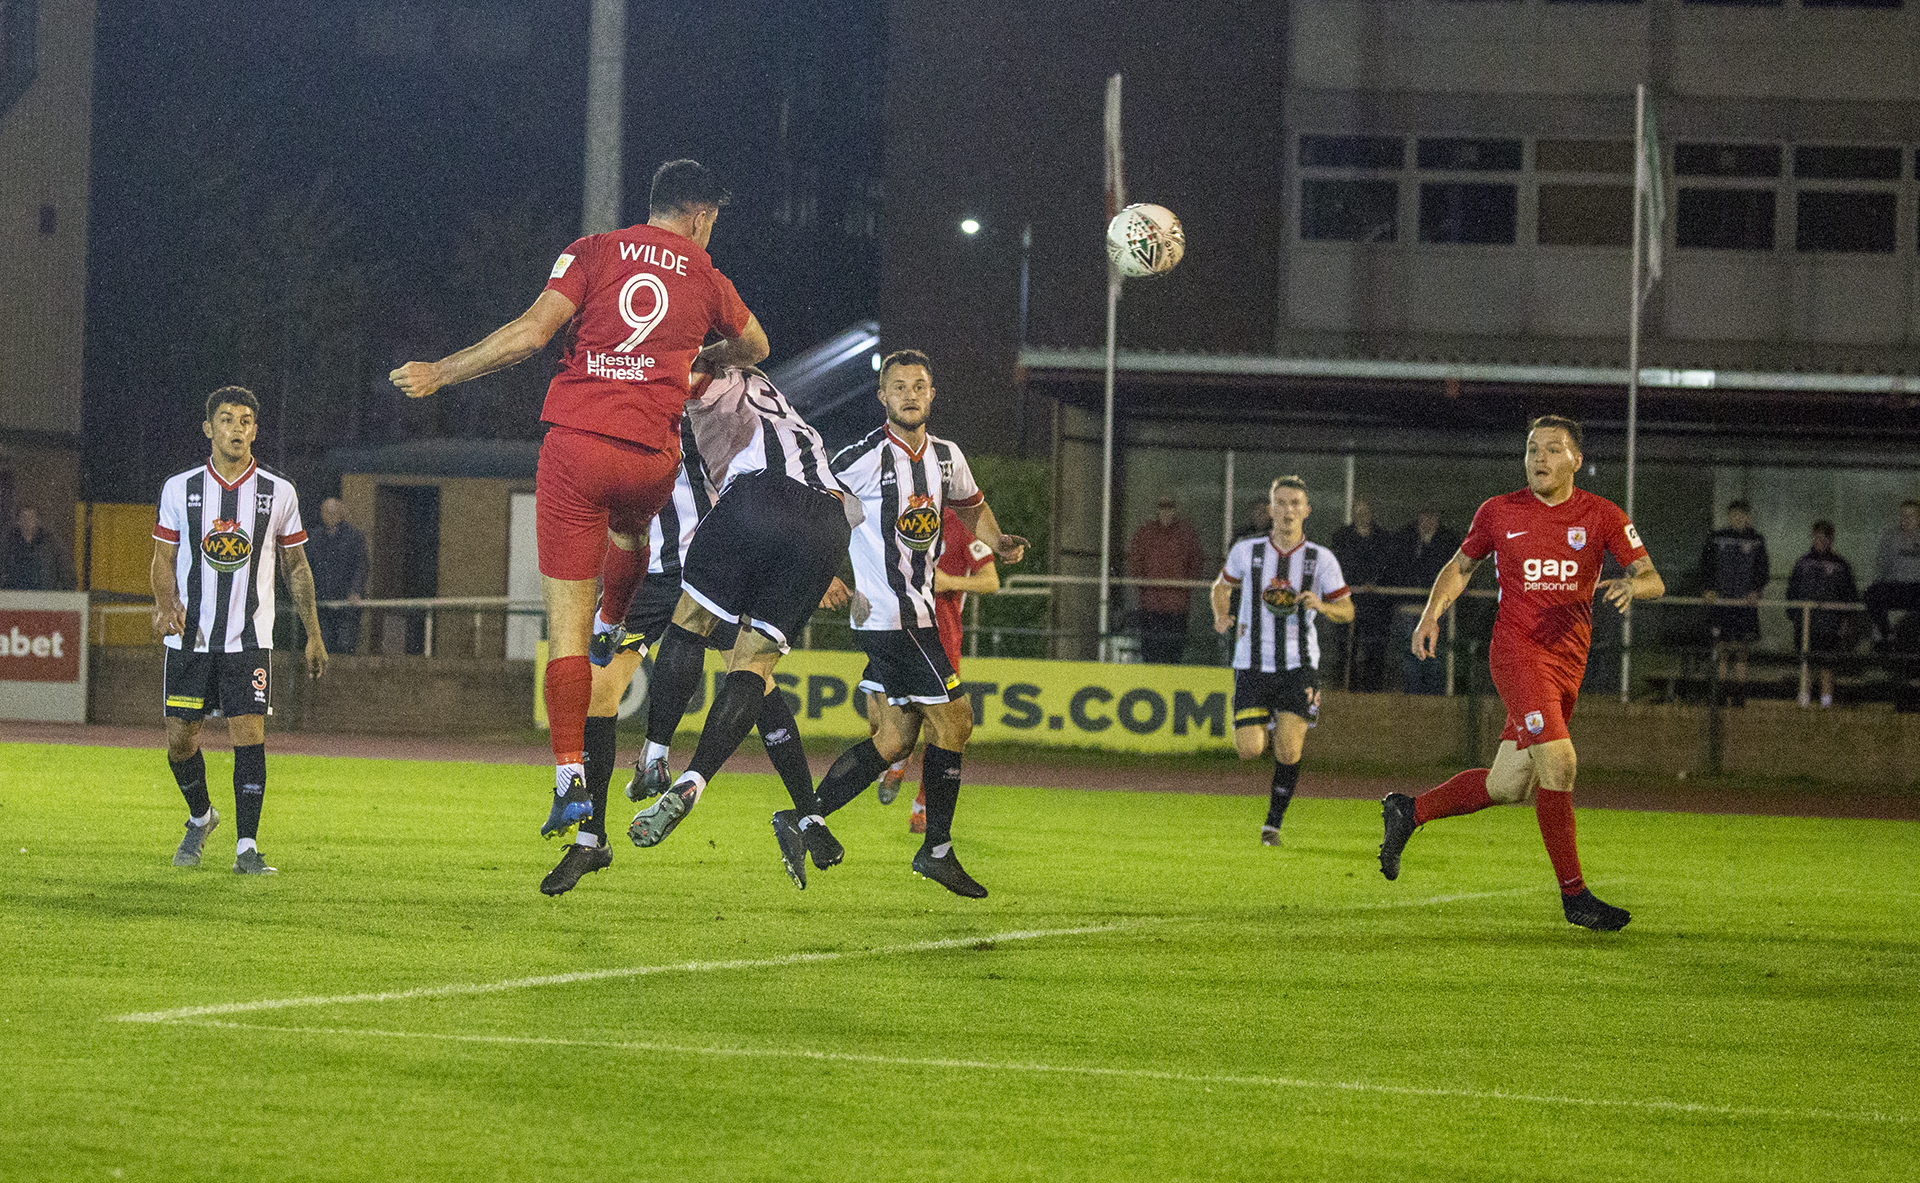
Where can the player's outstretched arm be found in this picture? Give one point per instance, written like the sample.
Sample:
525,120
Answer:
1641,582
983,582
169,614
300,588
1008,548
1447,587
750,348
510,344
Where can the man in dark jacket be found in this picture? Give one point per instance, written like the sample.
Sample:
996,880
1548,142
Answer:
1821,575
1425,547
1733,572
1365,551
30,560
337,553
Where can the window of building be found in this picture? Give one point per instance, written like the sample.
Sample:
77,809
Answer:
1468,212
1454,155
1829,220
1738,3
1585,215
1349,211
1352,152
1725,219
1612,157
1846,162
18,21
1851,3
1726,160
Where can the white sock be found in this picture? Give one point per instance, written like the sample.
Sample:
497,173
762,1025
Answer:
243,846
899,765
1826,700
203,819
698,782
582,838
563,775
653,751
812,819
941,850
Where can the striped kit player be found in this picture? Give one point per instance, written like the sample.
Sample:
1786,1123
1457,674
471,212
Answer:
221,526
906,477
1286,584
763,559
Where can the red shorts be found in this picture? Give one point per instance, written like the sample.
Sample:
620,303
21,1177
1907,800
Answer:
1539,698
587,485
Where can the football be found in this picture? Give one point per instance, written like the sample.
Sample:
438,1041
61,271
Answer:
1145,241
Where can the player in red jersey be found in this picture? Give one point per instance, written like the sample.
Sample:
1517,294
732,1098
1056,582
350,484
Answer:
1547,540
638,304
966,565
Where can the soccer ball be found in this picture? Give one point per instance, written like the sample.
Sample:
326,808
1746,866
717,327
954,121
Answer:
1145,241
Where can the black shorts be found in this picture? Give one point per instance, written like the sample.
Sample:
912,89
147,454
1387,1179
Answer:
907,665
1734,623
765,553
1257,695
650,611
198,684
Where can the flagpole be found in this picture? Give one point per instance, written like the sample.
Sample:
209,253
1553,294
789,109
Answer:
1641,182
1116,197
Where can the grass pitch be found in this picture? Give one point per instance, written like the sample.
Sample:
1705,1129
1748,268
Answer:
1147,994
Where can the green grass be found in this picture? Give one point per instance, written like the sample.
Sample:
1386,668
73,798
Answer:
1245,1013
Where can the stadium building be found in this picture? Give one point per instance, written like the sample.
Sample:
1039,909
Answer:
1408,229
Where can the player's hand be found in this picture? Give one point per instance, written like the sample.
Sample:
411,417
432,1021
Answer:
416,379
1309,601
1619,592
1011,550
169,619
862,608
1426,637
316,655
837,595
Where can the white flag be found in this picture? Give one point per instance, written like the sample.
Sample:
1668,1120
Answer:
1116,183
1650,189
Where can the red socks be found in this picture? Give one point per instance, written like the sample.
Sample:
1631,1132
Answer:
1554,812
620,572
1465,793
569,688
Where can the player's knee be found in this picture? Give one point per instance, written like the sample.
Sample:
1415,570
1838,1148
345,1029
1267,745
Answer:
951,729
1250,743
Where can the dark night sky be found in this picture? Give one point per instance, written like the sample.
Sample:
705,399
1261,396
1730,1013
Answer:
294,196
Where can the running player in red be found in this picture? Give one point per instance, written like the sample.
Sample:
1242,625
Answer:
1547,540
966,565
637,305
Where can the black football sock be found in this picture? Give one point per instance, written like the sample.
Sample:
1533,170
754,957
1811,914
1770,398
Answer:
601,751
850,775
191,775
734,710
782,737
940,779
1285,777
249,786
676,675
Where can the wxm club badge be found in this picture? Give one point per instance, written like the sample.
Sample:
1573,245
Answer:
226,546
1279,595
919,523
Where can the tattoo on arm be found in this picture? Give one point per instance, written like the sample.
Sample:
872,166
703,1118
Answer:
300,588
1640,567
1465,565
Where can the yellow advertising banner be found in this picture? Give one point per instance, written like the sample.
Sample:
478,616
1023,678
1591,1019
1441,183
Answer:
1134,708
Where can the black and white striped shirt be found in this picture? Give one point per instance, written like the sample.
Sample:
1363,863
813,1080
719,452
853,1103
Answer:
680,516
1273,635
904,493
229,536
743,425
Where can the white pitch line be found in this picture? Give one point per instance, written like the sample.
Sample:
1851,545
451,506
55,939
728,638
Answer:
1155,1074
597,975
1439,899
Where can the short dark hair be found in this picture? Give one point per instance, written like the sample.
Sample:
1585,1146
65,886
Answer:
238,396
681,186
1824,528
905,357
1565,424
1741,504
1287,482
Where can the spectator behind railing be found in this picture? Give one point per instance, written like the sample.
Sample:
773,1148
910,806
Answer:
337,551
1366,552
1733,572
1897,574
1166,546
1822,575
1424,548
30,558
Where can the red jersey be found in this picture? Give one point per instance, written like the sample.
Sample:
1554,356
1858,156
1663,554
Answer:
961,554
1547,558
644,301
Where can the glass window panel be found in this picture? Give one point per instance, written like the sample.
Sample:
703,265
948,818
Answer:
1738,3
1349,211
1829,221
1470,155
1462,212
1727,160
1851,3
1726,219
1352,151
1849,162
1586,215
1584,156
